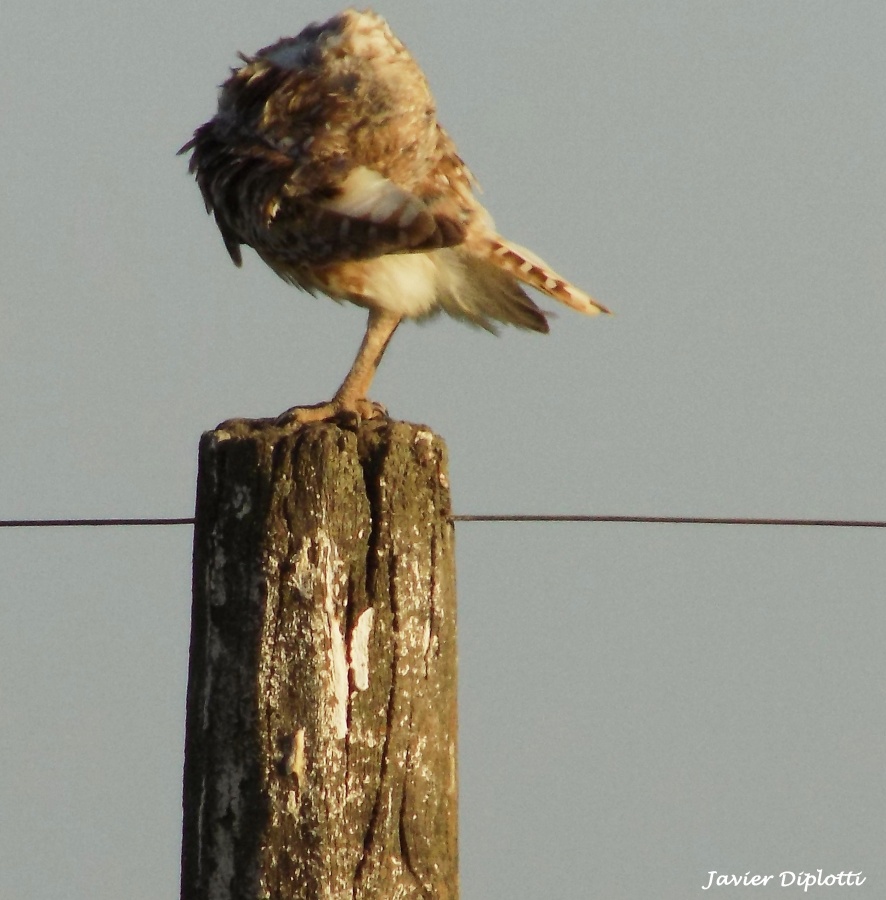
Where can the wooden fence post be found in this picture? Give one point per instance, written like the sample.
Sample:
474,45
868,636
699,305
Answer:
320,749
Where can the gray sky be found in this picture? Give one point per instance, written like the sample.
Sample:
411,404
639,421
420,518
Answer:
640,704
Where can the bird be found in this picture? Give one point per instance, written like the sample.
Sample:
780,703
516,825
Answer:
326,157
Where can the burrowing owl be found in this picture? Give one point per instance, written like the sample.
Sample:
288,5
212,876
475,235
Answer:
325,157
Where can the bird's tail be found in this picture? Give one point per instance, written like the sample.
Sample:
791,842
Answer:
525,266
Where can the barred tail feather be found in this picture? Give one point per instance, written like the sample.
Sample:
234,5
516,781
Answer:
524,265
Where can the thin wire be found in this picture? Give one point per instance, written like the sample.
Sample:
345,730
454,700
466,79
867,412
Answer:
654,520
677,520
76,523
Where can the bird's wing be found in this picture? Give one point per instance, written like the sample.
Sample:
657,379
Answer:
367,216
371,209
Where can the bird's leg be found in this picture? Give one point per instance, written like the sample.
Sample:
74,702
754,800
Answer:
380,329
350,399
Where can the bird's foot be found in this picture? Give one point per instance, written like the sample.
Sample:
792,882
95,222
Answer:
347,413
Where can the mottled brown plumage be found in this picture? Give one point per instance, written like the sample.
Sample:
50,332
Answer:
326,157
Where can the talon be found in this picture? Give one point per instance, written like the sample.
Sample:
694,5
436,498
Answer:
348,414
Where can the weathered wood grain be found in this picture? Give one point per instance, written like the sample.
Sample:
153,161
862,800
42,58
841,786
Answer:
320,757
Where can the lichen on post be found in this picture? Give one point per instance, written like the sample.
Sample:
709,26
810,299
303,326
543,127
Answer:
320,757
